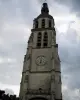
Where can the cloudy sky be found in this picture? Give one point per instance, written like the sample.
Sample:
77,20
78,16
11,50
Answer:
16,19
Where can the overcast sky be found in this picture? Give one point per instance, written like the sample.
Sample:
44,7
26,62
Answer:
16,20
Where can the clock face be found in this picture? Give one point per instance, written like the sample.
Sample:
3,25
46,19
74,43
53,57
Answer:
41,60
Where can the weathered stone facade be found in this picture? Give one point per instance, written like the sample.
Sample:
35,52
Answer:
41,76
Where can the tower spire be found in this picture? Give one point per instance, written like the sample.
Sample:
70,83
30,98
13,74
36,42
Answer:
45,8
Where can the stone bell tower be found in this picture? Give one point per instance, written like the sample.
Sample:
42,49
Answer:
41,75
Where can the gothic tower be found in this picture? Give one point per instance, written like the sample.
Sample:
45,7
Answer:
41,76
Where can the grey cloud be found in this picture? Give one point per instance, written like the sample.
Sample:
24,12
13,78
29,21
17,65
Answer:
29,10
70,76
9,91
69,52
13,44
10,73
74,5
71,94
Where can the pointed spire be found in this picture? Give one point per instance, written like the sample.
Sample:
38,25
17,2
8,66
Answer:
45,8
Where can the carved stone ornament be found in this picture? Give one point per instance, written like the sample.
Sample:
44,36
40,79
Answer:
53,78
24,58
26,78
31,38
52,92
28,56
59,79
52,41
52,55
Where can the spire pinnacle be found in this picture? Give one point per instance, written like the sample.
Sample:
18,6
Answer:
45,8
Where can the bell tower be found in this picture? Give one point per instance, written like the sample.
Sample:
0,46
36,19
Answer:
41,75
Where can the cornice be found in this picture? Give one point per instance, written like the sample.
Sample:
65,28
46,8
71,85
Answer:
42,29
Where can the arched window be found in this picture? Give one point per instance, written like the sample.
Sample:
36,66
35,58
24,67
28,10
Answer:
43,23
50,23
36,24
39,40
45,40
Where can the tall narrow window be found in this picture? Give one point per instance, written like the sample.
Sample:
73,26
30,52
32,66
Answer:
36,24
49,23
43,23
39,40
45,40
